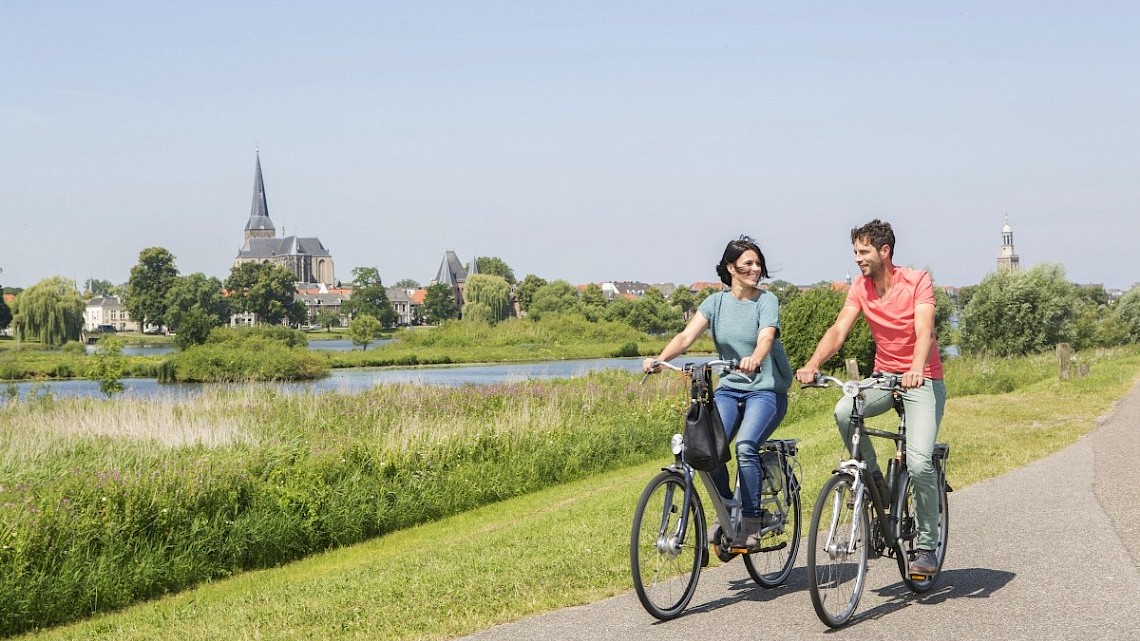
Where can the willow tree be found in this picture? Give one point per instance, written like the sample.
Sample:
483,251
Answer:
488,298
50,311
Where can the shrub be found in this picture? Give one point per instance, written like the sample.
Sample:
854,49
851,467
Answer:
253,359
275,333
627,350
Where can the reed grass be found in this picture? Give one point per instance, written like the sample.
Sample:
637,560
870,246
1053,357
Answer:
547,548
105,503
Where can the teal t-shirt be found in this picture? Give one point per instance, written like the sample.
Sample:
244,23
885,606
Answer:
735,325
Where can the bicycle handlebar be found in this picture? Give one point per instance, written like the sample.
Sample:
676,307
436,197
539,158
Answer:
878,380
724,365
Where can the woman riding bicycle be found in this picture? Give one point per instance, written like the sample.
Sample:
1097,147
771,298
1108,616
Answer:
745,325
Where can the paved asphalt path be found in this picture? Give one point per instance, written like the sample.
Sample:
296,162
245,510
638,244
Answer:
1048,552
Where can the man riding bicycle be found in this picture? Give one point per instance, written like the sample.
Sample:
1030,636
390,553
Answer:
898,303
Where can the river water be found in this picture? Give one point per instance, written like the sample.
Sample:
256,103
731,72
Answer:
352,380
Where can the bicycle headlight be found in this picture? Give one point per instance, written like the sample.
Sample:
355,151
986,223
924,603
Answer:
677,444
851,389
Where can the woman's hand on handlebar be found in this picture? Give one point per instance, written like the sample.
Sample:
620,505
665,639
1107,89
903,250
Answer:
650,365
748,365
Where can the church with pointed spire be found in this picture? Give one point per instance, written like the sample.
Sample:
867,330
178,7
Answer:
308,258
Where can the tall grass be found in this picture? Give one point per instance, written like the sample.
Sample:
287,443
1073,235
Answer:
105,503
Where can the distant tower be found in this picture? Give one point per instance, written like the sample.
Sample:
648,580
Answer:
1007,260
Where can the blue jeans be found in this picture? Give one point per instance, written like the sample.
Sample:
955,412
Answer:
763,411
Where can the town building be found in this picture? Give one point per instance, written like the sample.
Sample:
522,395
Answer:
105,313
322,297
407,302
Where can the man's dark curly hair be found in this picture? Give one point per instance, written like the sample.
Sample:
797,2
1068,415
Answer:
876,234
733,251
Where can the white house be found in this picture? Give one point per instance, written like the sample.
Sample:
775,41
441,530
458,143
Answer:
103,311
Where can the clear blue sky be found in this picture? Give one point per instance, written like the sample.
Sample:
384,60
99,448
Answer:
586,141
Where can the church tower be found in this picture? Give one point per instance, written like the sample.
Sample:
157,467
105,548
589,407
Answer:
259,225
1007,260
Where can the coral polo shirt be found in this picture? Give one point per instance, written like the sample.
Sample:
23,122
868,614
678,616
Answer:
891,319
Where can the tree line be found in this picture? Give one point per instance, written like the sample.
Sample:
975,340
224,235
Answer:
1007,314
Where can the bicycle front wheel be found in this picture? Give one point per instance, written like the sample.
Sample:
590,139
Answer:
665,551
904,508
772,565
838,539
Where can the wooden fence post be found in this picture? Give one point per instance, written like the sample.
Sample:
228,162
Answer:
1064,359
852,369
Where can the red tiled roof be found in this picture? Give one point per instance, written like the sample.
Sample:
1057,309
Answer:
698,286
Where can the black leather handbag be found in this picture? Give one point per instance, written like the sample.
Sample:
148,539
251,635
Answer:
706,444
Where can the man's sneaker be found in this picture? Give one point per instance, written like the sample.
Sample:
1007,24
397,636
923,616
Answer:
924,563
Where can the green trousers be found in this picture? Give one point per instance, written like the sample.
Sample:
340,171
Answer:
924,406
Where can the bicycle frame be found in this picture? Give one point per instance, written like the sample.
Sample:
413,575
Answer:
662,544
887,526
857,467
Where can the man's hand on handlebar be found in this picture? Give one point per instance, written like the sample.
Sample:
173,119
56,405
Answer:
911,380
807,375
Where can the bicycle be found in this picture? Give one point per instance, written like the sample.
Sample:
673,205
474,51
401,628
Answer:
841,535
667,542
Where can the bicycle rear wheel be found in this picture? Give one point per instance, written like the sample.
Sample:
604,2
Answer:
838,539
908,532
771,566
665,560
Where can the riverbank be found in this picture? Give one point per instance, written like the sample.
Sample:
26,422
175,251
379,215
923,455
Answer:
454,342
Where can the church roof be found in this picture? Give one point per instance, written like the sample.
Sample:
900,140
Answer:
287,246
451,270
259,211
